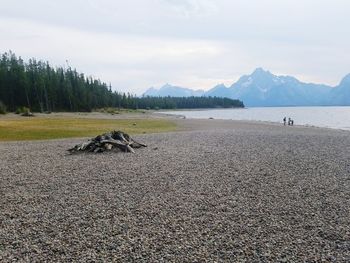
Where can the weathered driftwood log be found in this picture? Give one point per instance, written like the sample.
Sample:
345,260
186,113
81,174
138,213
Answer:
107,142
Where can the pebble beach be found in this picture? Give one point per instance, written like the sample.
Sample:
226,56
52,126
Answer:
215,191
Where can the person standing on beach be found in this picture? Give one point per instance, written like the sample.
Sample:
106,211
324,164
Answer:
284,121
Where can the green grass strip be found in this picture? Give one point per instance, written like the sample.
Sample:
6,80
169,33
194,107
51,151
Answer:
18,129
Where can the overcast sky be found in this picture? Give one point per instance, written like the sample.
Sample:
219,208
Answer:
136,44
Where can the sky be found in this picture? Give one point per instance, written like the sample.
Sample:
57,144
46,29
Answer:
137,44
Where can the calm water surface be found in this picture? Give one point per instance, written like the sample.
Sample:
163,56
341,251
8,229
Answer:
329,117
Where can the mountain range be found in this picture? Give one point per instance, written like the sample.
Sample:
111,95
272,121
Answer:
262,89
173,91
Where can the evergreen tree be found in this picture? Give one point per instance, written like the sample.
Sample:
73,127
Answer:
41,88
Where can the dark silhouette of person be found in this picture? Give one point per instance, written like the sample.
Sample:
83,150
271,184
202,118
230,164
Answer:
284,121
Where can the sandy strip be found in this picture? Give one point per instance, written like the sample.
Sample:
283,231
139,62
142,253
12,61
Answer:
222,191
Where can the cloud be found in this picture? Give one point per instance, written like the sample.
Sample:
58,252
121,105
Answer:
98,53
193,8
136,44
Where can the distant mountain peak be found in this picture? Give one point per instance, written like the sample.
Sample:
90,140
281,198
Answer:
217,88
260,71
262,88
260,78
166,85
173,91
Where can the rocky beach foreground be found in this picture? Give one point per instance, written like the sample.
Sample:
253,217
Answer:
217,191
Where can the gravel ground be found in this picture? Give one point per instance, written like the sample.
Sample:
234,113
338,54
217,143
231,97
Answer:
219,191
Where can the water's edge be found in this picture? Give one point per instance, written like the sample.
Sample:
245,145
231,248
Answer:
322,117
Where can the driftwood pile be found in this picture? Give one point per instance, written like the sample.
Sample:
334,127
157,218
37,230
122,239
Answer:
115,140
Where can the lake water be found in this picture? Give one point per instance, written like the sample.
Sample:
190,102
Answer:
329,117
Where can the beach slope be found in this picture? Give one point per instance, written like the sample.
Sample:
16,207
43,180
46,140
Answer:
222,191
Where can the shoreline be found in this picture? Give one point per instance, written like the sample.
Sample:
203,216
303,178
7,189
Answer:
152,114
253,121
182,124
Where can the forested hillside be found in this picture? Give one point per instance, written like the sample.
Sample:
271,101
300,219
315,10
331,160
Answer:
187,102
41,87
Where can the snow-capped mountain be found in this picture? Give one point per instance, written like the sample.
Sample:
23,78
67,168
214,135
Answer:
262,88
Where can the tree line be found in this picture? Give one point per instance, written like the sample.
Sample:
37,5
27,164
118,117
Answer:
43,88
